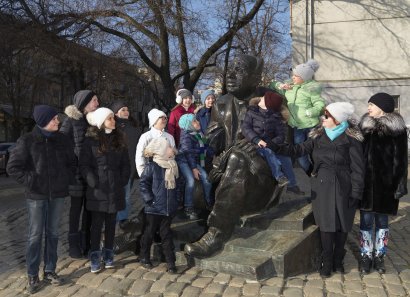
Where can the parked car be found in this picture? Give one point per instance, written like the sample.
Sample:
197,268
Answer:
5,148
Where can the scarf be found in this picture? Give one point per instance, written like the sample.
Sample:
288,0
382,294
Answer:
171,170
202,146
337,131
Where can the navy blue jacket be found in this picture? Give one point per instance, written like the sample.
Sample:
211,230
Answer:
263,125
157,198
204,116
189,150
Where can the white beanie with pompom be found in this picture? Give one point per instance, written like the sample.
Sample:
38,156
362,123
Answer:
97,118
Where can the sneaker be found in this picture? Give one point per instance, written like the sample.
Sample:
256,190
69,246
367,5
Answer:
295,190
53,278
146,263
172,270
191,214
282,181
33,284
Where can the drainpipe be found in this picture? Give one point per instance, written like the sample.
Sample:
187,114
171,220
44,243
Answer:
311,27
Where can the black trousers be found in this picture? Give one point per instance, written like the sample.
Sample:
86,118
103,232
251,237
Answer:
333,244
152,223
98,220
77,207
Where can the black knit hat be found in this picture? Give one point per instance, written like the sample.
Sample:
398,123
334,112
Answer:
383,101
82,98
117,105
43,114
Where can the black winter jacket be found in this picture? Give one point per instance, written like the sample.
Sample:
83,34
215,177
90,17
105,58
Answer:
106,174
157,198
189,150
385,142
263,125
45,165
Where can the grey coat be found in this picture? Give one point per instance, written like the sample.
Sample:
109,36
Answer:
338,176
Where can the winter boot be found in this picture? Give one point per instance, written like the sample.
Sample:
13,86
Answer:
365,264
210,242
33,284
382,237
108,258
327,264
74,245
338,264
95,258
366,251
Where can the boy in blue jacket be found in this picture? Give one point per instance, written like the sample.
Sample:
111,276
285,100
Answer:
158,191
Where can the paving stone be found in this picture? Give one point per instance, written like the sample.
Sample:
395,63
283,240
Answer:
232,292
122,272
207,273
160,285
335,277
316,283
209,295
270,290
353,286
313,292
215,288
170,277
372,274
79,263
251,289
88,292
352,275
152,276
5,283
394,289
175,289
140,287
108,284
222,278
334,287
295,282
202,282
70,291
137,274
373,282
193,270
191,291
274,281
19,284
391,278
92,280
152,294
376,292
357,294
237,282
186,278
315,275
10,293
293,292
123,286
332,294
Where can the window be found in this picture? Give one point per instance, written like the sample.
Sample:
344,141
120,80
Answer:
396,103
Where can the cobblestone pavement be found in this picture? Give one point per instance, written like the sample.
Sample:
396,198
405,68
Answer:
129,278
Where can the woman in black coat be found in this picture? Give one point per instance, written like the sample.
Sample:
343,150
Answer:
337,179
385,142
104,164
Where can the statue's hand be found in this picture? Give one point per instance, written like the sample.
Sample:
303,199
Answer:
215,175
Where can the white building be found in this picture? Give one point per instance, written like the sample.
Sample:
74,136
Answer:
363,47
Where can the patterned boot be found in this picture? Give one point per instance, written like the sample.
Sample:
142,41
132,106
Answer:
382,238
366,252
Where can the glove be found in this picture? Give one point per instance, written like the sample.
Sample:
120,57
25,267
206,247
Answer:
308,113
215,175
353,203
92,180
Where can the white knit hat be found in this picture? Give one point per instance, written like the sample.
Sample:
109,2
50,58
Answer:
157,146
306,70
98,117
341,111
154,115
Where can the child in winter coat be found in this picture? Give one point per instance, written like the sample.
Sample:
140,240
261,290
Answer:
45,163
304,102
385,143
203,115
194,153
263,124
157,188
104,164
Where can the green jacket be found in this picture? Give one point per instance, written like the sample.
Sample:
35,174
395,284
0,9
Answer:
302,100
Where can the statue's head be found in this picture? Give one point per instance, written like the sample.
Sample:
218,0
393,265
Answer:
244,75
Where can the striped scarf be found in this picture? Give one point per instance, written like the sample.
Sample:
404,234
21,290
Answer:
202,146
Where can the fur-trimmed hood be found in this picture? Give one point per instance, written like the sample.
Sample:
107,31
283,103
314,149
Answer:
92,132
73,112
352,131
390,124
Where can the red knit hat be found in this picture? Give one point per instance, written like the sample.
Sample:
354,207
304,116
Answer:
273,101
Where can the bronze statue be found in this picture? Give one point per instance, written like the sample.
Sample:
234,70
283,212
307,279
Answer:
245,182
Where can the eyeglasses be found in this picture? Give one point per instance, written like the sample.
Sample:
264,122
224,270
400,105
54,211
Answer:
163,118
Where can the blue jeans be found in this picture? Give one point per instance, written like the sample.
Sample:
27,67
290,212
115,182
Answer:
190,183
272,160
299,136
367,219
287,169
43,215
123,214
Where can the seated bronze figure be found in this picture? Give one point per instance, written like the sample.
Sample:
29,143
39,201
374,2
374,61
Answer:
245,182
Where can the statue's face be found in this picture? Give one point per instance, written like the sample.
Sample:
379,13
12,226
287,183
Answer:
240,78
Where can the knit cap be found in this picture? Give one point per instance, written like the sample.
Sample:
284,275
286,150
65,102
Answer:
181,94
306,70
43,114
153,116
117,105
340,111
185,122
273,101
383,101
205,94
82,98
157,146
98,117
